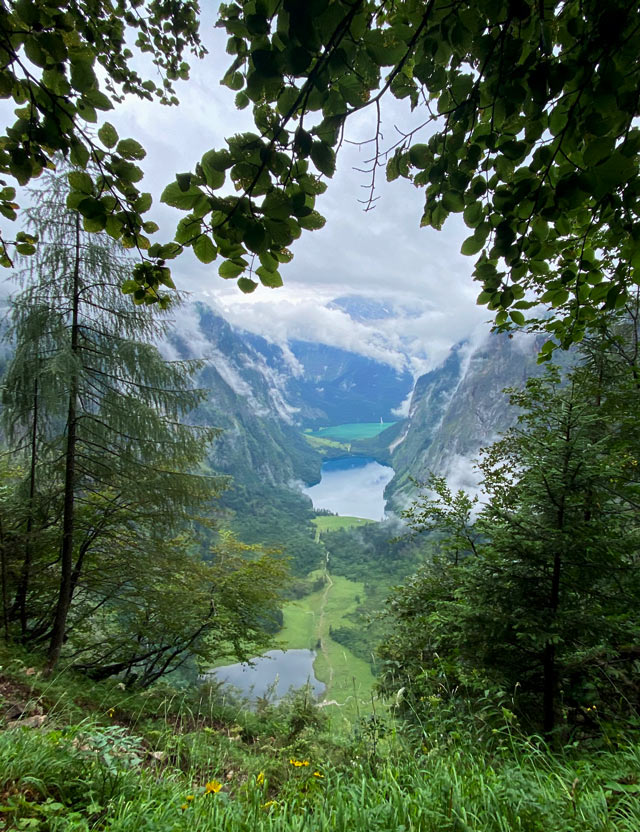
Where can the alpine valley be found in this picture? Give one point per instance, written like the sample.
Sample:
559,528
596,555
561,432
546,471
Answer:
283,410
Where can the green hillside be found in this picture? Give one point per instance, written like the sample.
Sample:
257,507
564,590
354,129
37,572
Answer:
78,756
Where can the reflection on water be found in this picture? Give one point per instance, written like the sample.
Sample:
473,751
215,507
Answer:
292,668
352,486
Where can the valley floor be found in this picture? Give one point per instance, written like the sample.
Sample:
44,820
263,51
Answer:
307,624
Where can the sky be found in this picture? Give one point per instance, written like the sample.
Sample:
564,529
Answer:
382,253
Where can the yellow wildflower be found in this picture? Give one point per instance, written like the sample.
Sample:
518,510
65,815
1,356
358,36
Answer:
317,774
298,763
111,712
260,778
190,797
212,787
269,804
184,806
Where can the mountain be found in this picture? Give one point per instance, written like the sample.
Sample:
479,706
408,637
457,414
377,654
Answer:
261,395
304,384
455,410
338,387
362,309
247,399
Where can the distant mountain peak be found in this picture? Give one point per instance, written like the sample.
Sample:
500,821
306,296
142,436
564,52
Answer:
363,309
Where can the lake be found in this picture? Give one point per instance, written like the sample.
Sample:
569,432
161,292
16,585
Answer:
352,486
287,669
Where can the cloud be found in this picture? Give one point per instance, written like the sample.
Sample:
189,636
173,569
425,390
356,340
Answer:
417,337
379,253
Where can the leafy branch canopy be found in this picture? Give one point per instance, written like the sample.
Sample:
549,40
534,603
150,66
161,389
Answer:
51,57
529,134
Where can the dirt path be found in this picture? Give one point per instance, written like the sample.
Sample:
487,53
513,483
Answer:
321,634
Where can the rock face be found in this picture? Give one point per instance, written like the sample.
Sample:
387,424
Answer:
457,409
247,399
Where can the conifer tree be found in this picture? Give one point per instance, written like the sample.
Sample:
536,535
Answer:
540,595
91,402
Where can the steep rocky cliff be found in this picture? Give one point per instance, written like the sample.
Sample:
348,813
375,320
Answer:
457,409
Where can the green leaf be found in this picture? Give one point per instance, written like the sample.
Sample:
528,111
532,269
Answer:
287,100
611,174
108,135
83,77
131,149
312,221
92,208
323,158
230,269
210,164
453,201
269,278
204,249
268,261
186,200
473,214
597,150
218,159
540,228
255,238
472,245
143,203
246,285
80,181
420,156
98,99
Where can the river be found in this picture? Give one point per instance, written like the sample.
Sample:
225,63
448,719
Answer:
352,486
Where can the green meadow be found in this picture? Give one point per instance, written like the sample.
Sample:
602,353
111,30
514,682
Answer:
332,522
350,432
307,623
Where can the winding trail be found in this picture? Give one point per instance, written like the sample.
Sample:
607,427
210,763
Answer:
321,633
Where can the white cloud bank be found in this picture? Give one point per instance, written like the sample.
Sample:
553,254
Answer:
383,253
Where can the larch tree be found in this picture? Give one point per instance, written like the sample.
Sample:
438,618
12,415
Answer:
91,401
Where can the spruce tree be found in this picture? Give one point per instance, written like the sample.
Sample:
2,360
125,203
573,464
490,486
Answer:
539,598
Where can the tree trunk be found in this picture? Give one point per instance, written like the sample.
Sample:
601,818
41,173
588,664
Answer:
25,573
550,681
5,602
66,549
549,662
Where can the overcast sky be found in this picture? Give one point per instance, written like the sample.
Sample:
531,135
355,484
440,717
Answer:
382,253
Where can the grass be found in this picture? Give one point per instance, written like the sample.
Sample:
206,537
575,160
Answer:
332,522
350,432
111,760
167,761
307,624
327,447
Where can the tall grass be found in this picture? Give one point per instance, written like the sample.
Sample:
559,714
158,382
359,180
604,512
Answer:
168,762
